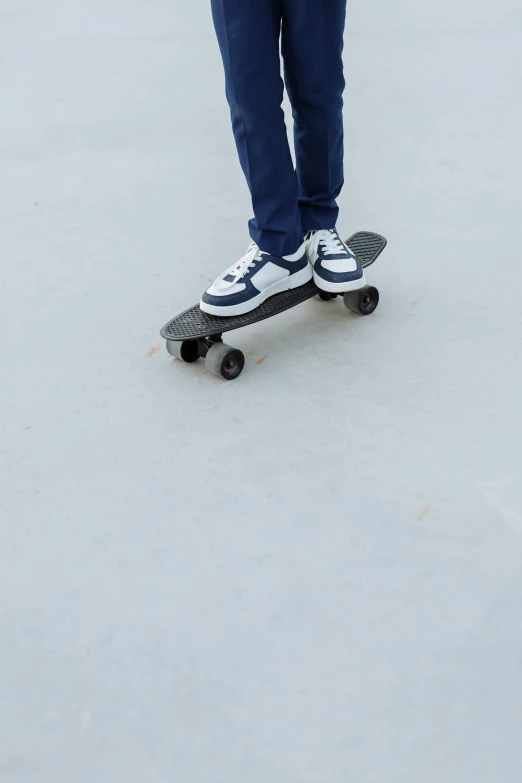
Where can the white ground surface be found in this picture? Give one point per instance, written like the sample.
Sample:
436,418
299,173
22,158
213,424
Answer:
312,574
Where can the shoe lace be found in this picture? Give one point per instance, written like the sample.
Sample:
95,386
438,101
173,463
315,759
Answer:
330,241
251,257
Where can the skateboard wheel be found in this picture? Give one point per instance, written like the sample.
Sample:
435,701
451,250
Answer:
224,361
187,351
364,301
325,296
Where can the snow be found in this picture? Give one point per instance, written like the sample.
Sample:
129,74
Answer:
312,573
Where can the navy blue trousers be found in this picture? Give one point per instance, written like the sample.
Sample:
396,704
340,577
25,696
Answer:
286,201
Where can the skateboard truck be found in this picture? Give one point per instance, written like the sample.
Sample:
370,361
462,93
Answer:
220,359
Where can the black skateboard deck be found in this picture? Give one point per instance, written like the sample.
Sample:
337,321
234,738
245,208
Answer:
193,334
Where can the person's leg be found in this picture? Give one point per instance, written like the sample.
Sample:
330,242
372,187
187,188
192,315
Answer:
312,36
312,45
248,34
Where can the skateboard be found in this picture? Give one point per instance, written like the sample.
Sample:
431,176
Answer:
194,334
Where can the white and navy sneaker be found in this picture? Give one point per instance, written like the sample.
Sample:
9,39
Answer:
336,269
255,277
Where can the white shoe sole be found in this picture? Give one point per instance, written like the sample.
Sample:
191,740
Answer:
286,284
339,288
